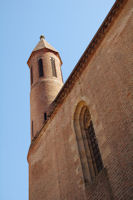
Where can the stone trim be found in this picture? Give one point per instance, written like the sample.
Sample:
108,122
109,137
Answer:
81,65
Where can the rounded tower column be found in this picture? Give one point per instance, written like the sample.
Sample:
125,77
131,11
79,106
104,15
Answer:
46,82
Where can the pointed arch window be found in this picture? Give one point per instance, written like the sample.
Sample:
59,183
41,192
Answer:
40,65
53,67
88,148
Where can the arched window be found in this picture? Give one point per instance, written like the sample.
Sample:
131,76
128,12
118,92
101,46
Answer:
53,66
89,152
31,75
40,65
92,143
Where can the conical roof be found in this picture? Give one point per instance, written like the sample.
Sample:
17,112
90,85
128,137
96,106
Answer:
42,44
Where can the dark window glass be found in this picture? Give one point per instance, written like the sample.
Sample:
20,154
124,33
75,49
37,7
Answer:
45,116
94,149
40,64
53,67
31,75
32,129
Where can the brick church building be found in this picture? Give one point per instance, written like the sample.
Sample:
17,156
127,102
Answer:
82,130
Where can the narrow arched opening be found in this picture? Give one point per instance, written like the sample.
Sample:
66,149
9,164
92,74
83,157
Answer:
88,148
40,65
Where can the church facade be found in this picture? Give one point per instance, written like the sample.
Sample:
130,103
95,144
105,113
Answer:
82,131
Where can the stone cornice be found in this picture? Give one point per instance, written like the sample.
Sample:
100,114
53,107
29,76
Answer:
81,65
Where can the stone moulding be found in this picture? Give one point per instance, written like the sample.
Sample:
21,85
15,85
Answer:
85,58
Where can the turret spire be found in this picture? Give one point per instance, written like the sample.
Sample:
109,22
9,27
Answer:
46,81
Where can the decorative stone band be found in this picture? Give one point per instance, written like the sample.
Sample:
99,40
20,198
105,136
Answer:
87,55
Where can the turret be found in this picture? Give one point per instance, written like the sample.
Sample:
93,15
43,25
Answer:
46,82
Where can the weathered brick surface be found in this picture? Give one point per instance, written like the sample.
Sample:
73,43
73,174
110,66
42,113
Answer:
106,86
100,188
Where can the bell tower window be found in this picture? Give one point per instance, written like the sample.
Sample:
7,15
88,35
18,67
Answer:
40,65
31,75
53,66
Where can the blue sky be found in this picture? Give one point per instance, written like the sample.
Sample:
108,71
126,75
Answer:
69,26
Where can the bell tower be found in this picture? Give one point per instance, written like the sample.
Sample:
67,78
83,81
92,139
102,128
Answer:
46,81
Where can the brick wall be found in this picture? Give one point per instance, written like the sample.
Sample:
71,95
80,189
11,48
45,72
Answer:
106,88
44,89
